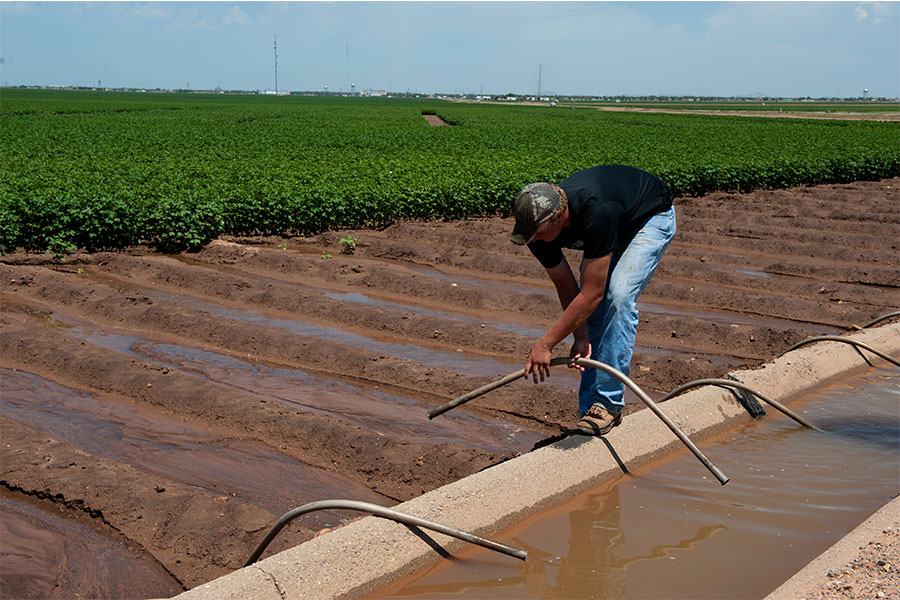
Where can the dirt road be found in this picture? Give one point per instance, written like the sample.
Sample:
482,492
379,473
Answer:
180,404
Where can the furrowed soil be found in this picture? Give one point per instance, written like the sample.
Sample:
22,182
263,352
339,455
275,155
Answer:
167,410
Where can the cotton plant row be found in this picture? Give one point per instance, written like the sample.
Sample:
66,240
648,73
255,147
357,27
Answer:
81,170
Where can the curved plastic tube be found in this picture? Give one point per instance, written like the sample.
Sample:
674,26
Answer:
837,338
586,362
487,388
881,318
387,513
740,386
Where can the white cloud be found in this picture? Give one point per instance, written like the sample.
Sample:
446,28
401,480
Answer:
236,16
149,11
861,14
880,10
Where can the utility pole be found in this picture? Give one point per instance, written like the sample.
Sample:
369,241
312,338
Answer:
276,65
540,68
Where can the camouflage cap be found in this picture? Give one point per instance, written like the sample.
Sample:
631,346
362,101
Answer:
536,203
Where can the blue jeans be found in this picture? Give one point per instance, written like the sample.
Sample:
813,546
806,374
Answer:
613,324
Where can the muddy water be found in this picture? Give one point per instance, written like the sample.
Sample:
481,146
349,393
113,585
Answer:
736,318
712,316
368,300
370,409
150,442
528,330
668,530
462,362
46,556
511,326
459,361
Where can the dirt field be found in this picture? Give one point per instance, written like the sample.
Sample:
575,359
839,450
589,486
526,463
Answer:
177,405
891,117
802,114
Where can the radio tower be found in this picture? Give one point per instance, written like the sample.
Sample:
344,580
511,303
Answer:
276,65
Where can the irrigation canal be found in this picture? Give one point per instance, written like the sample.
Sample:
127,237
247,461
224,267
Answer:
664,531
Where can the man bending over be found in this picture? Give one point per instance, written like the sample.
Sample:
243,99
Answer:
622,219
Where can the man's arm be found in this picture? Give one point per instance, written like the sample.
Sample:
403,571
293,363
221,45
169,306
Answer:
578,305
566,286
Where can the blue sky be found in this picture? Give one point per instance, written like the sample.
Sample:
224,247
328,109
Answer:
641,48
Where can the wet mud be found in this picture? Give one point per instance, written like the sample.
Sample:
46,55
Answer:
262,373
47,555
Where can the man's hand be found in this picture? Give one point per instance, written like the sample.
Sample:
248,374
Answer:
538,363
580,349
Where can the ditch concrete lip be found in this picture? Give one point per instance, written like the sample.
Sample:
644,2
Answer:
369,553
809,580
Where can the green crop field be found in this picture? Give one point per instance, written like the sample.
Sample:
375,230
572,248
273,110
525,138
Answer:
109,170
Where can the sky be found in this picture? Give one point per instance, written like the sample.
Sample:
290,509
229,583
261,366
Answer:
780,49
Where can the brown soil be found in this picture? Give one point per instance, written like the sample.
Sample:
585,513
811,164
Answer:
268,348
892,117
788,114
435,121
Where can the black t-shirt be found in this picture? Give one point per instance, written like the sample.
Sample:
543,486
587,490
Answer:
608,205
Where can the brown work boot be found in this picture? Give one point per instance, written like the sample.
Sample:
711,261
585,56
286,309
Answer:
598,421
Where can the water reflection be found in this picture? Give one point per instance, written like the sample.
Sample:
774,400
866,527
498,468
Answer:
592,563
